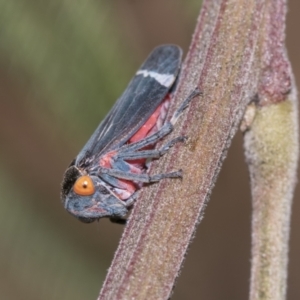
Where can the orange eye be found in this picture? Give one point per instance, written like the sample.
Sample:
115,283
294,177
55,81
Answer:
84,186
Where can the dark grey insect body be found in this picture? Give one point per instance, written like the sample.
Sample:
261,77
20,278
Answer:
103,180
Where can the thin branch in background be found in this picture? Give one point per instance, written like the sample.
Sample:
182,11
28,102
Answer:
225,62
271,146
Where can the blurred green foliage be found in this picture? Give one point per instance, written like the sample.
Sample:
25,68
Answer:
41,264
68,51
64,59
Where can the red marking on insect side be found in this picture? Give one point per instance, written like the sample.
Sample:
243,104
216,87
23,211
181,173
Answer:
127,187
105,160
152,122
143,131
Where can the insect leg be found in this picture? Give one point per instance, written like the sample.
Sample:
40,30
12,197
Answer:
164,130
128,204
149,153
150,140
138,177
196,92
158,177
112,180
130,201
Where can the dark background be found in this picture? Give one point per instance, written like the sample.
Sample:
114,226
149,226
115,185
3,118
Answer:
62,65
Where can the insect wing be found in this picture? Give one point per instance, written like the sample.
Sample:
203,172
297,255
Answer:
143,95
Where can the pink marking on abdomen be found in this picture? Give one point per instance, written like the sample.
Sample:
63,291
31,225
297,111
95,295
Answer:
152,125
155,122
105,160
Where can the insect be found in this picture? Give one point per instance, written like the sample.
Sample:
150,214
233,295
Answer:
103,180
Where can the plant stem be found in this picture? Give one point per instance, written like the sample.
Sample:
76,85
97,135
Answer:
224,61
271,146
